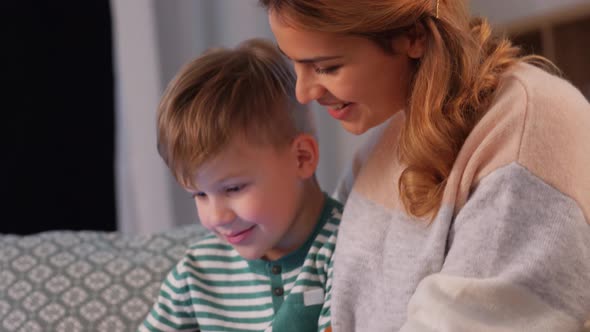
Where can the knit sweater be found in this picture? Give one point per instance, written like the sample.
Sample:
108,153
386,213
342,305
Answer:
509,249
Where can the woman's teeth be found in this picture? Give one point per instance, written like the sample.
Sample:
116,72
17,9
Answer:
338,107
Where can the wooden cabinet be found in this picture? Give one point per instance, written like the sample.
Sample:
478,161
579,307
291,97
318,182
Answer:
563,37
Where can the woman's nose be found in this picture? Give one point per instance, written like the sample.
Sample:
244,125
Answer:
307,89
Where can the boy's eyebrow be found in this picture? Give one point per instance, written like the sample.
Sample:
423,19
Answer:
312,60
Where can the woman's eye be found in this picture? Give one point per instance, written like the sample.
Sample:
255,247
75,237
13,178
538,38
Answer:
199,194
327,70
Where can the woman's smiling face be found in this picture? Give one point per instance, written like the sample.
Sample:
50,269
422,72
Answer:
359,83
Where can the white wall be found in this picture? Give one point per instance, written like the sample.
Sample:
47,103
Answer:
142,199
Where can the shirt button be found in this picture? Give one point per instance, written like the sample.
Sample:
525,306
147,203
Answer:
278,291
276,269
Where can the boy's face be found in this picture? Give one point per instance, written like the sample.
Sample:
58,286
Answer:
250,196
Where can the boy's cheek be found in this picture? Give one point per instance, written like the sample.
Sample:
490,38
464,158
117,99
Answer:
203,220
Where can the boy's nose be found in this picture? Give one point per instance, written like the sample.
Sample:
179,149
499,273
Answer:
218,216
307,88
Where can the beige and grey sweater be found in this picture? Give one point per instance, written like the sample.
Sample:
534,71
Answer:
510,248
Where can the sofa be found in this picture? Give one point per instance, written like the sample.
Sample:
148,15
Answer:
85,280
66,281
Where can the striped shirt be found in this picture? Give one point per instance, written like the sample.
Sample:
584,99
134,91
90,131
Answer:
213,288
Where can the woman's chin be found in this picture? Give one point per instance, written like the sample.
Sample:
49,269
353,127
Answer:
355,128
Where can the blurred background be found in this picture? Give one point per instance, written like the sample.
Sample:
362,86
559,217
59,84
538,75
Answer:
83,79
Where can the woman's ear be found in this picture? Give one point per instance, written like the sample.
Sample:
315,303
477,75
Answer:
306,151
412,42
417,38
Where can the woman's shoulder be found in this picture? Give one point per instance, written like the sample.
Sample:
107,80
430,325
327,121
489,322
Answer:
552,119
538,121
533,115
547,92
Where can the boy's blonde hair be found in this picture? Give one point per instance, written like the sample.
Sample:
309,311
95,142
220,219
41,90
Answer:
248,91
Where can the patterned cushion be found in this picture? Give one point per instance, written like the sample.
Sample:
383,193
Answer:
85,281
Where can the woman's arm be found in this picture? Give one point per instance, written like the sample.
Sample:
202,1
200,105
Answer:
518,260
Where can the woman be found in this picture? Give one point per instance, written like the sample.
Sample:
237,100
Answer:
470,210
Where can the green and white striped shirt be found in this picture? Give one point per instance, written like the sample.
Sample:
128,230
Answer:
214,289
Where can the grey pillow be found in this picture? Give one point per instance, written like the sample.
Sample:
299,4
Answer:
85,281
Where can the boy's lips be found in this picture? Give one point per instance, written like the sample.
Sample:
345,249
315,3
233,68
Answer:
237,237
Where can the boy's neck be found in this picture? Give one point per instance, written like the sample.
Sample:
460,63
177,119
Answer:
307,217
311,206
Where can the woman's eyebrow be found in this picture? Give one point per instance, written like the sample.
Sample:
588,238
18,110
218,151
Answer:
311,60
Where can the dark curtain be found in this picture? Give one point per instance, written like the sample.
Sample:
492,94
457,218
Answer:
58,116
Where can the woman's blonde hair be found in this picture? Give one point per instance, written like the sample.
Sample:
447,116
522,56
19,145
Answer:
224,93
452,86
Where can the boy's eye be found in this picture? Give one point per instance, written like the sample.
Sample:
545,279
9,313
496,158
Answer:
327,70
234,189
199,194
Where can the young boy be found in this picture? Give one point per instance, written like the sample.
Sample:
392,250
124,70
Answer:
234,136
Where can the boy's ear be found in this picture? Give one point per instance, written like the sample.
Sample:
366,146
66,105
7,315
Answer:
306,151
